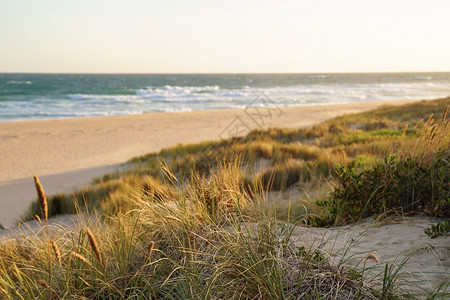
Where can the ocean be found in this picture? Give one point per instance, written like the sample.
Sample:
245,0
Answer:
56,96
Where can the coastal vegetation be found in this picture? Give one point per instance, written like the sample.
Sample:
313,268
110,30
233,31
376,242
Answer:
214,220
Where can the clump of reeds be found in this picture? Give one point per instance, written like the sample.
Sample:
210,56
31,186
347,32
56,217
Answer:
94,246
42,197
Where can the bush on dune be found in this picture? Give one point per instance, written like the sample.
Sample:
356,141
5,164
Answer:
414,181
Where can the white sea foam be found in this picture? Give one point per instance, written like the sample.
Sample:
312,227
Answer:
190,98
203,97
105,98
19,82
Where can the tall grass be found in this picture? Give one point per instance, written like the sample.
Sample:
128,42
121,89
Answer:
206,241
195,252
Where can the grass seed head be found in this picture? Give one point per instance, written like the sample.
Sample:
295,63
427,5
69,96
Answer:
444,115
56,251
150,249
80,257
373,256
94,246
42,197
43,283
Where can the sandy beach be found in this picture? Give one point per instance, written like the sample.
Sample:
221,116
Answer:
70,152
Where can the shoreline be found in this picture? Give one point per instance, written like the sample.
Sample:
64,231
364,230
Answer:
69,153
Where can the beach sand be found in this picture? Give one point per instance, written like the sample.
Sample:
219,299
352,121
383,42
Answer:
68,153
395,240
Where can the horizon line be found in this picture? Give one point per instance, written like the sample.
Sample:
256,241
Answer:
218,73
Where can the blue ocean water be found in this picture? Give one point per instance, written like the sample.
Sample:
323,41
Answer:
55,96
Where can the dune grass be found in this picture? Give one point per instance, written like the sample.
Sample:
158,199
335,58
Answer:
205,240
202,221
284,159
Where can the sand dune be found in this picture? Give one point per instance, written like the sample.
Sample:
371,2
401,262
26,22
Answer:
395,240
68,153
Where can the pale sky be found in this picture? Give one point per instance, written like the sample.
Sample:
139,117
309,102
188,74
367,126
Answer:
244,36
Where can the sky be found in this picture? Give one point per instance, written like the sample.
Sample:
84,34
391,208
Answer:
244,36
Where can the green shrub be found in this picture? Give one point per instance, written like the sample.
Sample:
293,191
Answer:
395,184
